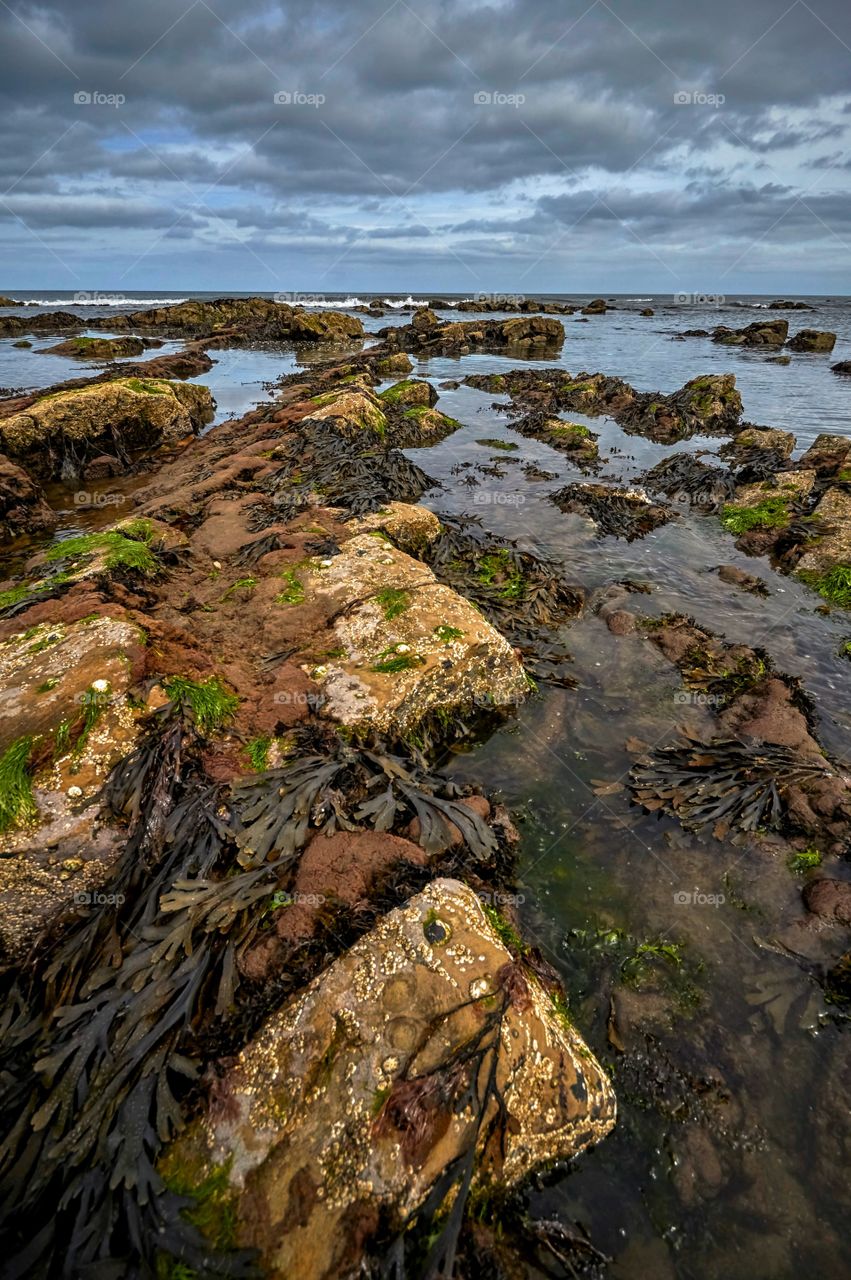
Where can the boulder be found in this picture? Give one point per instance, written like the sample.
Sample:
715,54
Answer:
243,319
58,433
393,366
781,442
595,308
410,647
410,392
23,506
426,334
762,333
827,455
843,368
352,1100
812,340
352,410
97,348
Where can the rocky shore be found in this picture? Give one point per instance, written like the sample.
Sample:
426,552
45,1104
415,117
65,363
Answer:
267,1007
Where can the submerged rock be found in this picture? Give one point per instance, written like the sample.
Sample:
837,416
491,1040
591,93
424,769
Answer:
410,647
58,433
618,512
23,506
342,1114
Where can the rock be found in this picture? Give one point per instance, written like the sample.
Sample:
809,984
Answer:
410,527
97,348
63,693
812,340
842,368
23,506
648,311
827,455
57,433
830,900
342,869
8,302
782,442
779,360
833,547
40,322
102,467
392,366
762,333
412,647
427,334
343,1111
595,308
243,319
409,393
353,411
23,343
781,304
737,577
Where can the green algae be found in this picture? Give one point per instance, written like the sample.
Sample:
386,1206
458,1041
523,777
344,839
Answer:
17,805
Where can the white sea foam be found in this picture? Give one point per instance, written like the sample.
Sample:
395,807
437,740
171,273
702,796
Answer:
98,300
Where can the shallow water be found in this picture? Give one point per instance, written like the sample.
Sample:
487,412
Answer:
771,1195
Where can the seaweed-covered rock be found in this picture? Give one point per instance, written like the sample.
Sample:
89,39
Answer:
812,340
832,547
352,410
827,455
84,348
58,433
781,442
409,393
393,366
426,334
424,1050
762,333
618,512
23,506
242,319
410,647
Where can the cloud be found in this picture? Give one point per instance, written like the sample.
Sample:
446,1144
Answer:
415,135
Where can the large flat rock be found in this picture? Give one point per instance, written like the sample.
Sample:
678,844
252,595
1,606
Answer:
408,645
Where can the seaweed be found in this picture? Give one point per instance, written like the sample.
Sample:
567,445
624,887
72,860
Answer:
317,460
729,783
686,479
618,513
17,805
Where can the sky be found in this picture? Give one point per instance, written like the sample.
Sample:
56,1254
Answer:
463,146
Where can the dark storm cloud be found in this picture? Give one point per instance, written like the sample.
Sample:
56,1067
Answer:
411,130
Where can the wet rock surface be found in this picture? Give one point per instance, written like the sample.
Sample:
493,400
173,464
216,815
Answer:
426,1045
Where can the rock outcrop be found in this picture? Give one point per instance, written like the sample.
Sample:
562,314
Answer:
58,433
350,1103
